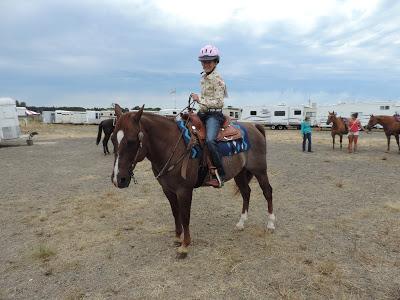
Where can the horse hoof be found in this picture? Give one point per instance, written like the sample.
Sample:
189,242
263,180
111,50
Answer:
181,255
270,228
240,226
177,243
182,252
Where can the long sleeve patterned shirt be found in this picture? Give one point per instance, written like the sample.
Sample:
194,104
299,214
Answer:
213,91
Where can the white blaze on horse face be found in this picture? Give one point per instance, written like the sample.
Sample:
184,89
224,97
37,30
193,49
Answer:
116,171
120,136
240,224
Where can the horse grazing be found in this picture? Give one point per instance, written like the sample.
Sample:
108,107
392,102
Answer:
139,135
339,127
108,127
390,125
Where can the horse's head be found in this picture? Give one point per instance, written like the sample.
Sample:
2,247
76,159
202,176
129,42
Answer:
331,117
373,120
128,140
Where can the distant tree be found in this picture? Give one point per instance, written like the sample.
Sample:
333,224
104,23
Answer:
136,107
23,104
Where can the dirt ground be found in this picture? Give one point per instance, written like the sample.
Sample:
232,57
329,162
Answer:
68,233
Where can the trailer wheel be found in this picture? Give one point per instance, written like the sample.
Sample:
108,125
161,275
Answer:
280,127
273,127
29,142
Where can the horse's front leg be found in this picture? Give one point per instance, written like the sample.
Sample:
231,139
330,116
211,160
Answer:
185,203
173,201
388,143
333,141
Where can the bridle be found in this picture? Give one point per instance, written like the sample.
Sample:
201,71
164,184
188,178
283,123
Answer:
164,170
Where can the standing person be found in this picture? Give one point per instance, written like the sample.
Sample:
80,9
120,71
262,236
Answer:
306,132
211,101
354,129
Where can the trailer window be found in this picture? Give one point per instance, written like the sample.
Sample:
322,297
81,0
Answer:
297,112
236,115
231,113
253,113
385,107
279,113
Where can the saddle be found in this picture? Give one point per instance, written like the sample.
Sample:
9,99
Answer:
197,129
226,132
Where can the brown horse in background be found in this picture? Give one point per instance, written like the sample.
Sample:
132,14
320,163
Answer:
390,125
108,127
339,127
139,135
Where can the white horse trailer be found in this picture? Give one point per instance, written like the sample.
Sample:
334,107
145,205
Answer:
10,131
78,117
364,110
62,117
9,124
48,117
275,116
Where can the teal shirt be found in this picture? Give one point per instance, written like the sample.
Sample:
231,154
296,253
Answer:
305,127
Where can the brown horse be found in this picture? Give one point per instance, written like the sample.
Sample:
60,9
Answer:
139,135
108,127
339,127
390,125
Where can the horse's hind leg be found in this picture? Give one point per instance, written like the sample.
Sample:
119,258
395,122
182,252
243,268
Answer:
267,191
242,181
397,141
341,139
173,201
333,142
105,143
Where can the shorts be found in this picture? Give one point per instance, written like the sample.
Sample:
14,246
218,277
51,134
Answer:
351,133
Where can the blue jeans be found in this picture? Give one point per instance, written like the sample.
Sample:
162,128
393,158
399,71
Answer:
213,123
307,136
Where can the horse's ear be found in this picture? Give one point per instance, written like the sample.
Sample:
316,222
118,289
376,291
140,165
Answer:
118,110
138,115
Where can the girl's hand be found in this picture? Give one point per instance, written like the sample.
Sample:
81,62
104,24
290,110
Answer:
195,97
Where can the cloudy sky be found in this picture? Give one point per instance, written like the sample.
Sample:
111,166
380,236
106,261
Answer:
96,52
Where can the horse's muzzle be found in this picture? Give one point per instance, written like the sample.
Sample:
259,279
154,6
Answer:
121,182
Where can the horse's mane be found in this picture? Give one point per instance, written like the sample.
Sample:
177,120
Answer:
154,116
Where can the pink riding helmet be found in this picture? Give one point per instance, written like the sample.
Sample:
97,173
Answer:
208,53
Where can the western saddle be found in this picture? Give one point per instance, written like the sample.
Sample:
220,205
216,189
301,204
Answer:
197,129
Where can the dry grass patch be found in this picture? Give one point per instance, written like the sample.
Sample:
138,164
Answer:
339,184
327,267
43,252
393,205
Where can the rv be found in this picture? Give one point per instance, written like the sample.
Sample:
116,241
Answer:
364,110
274,116
233,112
169,112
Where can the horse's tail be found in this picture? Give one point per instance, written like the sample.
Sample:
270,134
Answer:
99,133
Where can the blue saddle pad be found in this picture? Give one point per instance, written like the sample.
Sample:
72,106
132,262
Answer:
225,148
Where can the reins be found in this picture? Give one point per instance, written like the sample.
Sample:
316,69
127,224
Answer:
165,169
